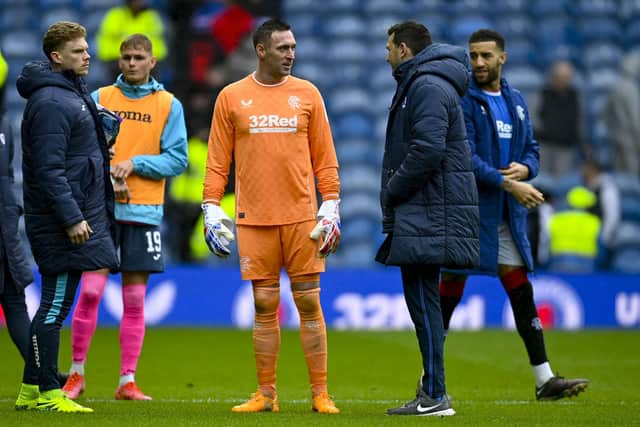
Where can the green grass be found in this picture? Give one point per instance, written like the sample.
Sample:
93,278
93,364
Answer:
196,375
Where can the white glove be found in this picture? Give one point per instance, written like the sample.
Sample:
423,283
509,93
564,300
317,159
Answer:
328,227
217,230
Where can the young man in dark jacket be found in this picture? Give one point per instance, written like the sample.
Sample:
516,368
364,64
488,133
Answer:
429,198
68,199
504,156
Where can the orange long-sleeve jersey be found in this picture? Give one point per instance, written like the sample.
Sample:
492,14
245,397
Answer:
280,138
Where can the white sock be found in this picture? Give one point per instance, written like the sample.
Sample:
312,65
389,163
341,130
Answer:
126,379
77,367
543,373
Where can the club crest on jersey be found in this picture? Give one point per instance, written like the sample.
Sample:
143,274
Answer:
246,103
294,102
520,111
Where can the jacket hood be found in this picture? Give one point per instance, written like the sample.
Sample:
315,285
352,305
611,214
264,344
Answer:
446,61
38,74
138,91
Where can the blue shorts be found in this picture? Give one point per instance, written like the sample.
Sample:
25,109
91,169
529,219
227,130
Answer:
139,247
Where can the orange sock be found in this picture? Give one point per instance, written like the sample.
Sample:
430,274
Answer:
266,337
313,334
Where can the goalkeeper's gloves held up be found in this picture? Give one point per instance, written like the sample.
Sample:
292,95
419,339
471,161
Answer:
217,230
328,227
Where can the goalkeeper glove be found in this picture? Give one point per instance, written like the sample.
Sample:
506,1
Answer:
217,230
328,227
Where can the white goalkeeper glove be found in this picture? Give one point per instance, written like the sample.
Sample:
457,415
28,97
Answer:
217,230
328,227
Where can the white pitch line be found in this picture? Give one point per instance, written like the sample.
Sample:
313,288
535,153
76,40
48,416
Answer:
366,401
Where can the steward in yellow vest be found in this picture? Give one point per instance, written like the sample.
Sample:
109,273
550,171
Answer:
574,233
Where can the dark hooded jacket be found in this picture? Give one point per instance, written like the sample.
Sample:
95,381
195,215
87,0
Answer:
429,197
12,251
65,164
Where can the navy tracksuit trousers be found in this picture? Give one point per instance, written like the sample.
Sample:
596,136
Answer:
420,284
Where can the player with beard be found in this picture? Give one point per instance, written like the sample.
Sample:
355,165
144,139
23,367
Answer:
505,155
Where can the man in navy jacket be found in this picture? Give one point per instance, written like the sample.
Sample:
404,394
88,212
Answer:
505,154
68,200
429,198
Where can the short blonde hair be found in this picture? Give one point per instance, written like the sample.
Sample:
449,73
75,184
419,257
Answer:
137,41
59,33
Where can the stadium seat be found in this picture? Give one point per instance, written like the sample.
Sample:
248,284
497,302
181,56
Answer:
601,54
385,7
626,260
358,254
378,27
18,18
601,79
597,8
438,24
47,4
515,26
600,29
431,6
353,125
632,33
22,44
461,28
560,51
519,52
467,7
359,228
541,8
360,204
627,235
343,25
346,99
315,73
333,7
524,78
304,24
58,14
310,48
339,51
511,7
360,177
553,30
90,5
359,151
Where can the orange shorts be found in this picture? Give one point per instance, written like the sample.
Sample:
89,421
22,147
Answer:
264,250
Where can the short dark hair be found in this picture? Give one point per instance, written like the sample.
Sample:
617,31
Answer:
137,41
59,33
487,35
262,35
415,35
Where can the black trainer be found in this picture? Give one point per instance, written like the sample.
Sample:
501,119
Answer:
423,405
558,387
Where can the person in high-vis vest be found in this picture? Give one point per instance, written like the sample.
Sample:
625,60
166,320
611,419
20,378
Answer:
574,233
151,146
183,206
4,71
133,17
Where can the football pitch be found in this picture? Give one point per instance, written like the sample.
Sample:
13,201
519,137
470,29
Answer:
196,375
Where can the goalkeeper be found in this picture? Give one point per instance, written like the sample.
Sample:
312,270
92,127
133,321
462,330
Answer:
276,128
